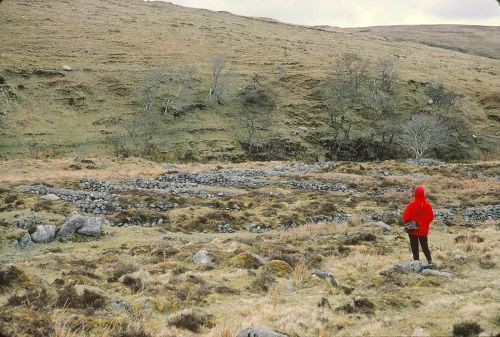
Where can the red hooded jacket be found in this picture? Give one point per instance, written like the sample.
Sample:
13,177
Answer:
419,210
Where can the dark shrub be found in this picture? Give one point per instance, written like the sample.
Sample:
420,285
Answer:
466,329
191,321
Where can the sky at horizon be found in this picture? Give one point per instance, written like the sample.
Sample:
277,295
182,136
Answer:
361,13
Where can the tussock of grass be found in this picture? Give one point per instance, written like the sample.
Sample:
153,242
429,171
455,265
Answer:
190,320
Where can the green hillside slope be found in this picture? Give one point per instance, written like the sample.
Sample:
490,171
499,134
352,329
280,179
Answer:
112,46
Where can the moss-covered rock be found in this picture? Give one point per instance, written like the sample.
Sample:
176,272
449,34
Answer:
245,261
280,268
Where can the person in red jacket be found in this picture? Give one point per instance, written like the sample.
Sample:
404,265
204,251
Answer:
420,211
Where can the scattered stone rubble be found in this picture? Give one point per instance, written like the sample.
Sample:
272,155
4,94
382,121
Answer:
421,269
28,222
100,186
315,186
90,202
259,228
483,214
247,179
226,228
444,215
425,162
161,206
223,178
174,188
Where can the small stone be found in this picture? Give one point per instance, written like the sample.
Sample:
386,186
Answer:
51,197
120,304
16,244
437,273
259,332
460,257
67,68
409,267
202,258
386,229
25,241
325,275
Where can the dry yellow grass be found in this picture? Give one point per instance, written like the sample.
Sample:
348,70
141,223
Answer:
296,303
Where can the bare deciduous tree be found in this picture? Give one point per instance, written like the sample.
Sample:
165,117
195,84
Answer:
384,114
178,89
338,99
257,101
151,89
423,133
138,136
344,92
353,69
388,75
219,81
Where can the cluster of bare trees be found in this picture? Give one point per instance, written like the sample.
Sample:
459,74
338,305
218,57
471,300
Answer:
166,94
371,104
364,106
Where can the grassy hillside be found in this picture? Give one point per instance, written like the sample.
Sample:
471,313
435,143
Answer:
475,40
112,45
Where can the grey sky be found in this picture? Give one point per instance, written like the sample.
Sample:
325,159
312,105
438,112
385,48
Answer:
358,13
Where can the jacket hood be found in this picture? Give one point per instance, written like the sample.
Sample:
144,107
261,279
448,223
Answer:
419,192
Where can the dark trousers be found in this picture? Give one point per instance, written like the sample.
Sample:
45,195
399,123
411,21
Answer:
414,240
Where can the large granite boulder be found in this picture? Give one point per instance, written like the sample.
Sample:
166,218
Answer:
76,223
